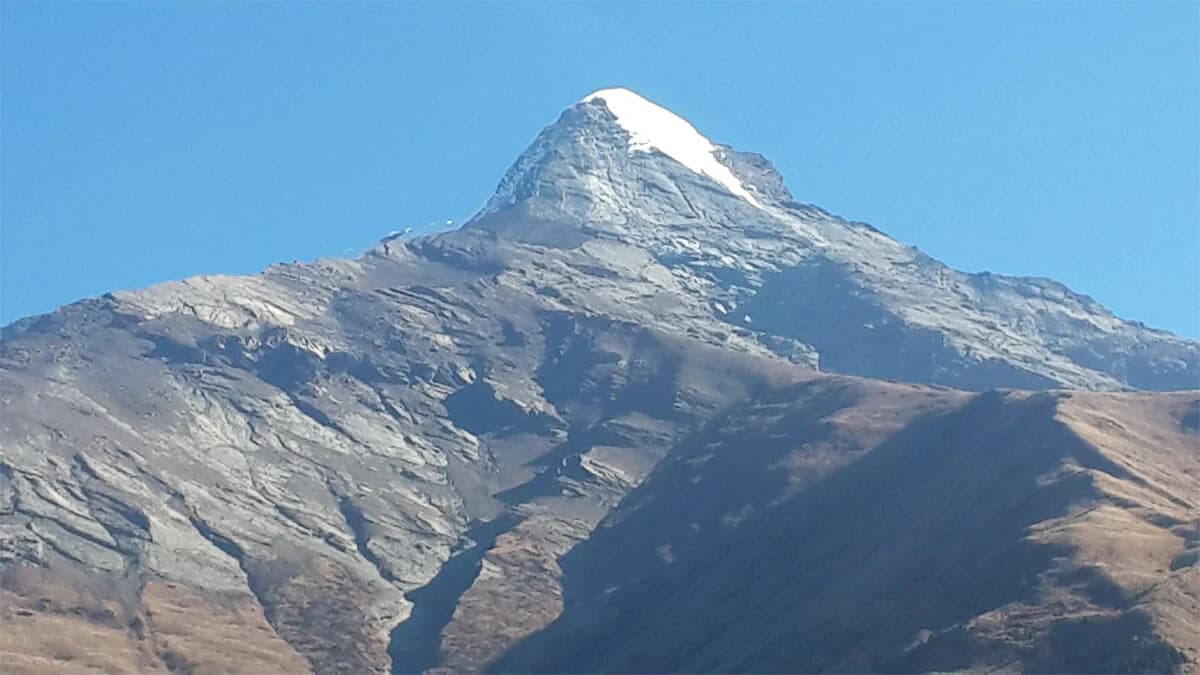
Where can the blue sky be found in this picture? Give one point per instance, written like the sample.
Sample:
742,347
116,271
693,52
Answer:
143,142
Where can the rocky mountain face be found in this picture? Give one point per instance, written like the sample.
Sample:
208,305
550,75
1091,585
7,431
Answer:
794,277
618,421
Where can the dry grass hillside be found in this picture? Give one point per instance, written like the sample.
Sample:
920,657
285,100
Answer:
848,525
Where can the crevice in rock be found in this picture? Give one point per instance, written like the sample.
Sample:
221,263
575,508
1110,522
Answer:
63,552
126,524
416,642
315,414
256,585
226,545
390,407
360,528
70,529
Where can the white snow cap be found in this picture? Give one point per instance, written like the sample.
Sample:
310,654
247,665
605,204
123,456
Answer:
653,127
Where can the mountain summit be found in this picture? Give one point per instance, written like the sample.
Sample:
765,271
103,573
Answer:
618,167
652,128
631,417
614,147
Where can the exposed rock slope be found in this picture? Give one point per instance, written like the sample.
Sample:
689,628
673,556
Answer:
355,466
791,273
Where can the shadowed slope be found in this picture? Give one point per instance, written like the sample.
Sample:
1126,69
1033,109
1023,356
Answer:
987,535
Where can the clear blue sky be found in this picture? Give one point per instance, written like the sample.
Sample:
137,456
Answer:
144,142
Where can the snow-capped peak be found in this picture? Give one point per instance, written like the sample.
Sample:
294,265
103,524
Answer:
653,127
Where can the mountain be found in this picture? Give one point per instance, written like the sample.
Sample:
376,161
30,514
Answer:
628,399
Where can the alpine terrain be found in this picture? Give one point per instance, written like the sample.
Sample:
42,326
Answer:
644,412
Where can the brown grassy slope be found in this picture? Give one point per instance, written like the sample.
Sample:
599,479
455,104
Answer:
1039,531
1146,536
517,593
56,624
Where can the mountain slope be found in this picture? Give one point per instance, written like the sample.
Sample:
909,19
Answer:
324,438
1046,532
374,464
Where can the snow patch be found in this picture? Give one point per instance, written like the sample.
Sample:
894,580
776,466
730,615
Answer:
653,127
